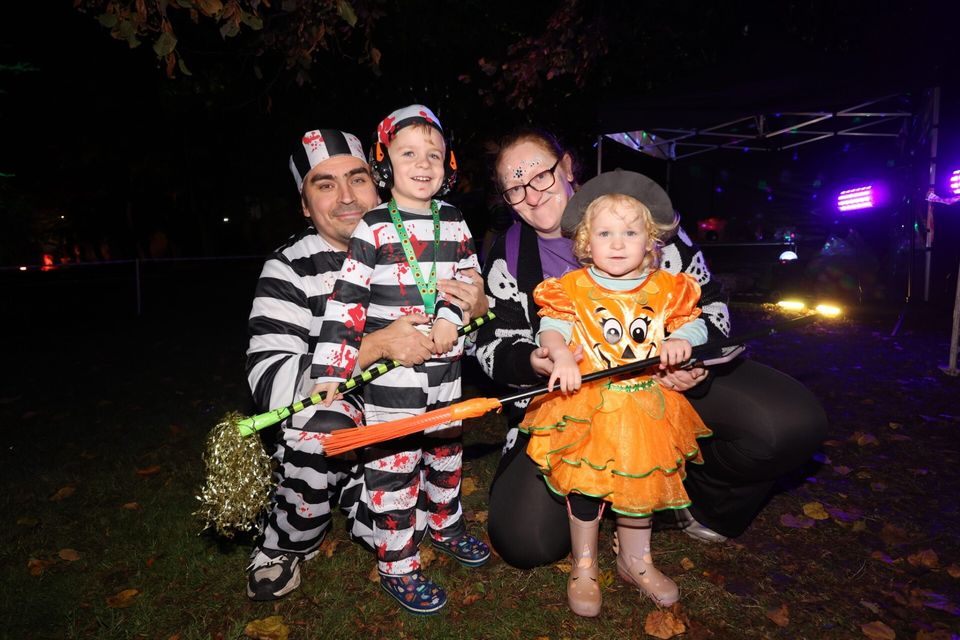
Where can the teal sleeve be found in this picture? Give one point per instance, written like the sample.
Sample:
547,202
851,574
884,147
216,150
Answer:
552,324
694,332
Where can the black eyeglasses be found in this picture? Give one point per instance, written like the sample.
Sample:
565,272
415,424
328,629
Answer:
540,182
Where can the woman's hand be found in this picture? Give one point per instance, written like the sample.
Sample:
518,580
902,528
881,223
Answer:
681,379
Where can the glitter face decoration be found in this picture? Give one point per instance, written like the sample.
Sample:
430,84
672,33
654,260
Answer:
522,171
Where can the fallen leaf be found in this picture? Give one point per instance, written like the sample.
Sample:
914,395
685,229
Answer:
329,546
271,628
146,472
832,443
470,599
63,492
468,486
130,506
796,522
842,470
954,571
843,516
606,579
780,616
374,575
893,535
815,510
663,624
122,599
926,558
872,606
934,600
863,439
687,564
26,521
876,630
36,567
70,555
894,425
176,636
563,566
479,517
427,556
939,634
882,557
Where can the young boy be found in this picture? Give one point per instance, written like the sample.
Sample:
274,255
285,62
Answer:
395,257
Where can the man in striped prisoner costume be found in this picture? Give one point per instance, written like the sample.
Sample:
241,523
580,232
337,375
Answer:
334,183
384,278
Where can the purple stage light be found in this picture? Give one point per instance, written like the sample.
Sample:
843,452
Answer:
955,182
853,199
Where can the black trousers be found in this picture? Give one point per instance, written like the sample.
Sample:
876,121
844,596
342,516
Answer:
765,424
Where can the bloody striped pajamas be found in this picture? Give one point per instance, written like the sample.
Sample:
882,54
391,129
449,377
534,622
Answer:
376,287
291,295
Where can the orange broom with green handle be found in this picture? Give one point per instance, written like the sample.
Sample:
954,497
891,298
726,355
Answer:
344,440
238,480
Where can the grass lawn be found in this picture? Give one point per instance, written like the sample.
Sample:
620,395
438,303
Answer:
103,430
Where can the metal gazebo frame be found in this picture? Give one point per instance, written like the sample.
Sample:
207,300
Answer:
778,130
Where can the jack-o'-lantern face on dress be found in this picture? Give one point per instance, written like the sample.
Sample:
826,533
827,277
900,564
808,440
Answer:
621,333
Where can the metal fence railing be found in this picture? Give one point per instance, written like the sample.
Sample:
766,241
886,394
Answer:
125,289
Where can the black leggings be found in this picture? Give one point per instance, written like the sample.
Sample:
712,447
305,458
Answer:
764,422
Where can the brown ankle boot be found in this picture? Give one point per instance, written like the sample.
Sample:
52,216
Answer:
583,589
635,564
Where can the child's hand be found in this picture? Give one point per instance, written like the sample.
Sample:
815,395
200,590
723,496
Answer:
330,388
674,352
565,372
444,336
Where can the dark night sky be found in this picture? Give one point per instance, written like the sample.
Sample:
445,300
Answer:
98,134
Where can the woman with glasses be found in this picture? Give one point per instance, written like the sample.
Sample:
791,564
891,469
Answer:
765,423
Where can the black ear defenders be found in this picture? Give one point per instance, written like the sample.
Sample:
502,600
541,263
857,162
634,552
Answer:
382,169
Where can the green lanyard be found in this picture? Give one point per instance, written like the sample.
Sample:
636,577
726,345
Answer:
428,290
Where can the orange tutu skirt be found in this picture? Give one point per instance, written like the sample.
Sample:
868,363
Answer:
626,443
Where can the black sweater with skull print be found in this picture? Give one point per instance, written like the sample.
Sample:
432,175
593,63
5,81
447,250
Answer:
504,346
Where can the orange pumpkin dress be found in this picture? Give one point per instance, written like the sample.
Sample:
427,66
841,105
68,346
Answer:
624,440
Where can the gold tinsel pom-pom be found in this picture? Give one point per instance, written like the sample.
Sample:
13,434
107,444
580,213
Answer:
238,479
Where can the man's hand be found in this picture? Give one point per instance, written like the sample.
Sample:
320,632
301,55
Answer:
542,364
469,296
681,379
400,341
329,388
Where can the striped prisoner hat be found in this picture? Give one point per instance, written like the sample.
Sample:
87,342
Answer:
414,114
318,145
